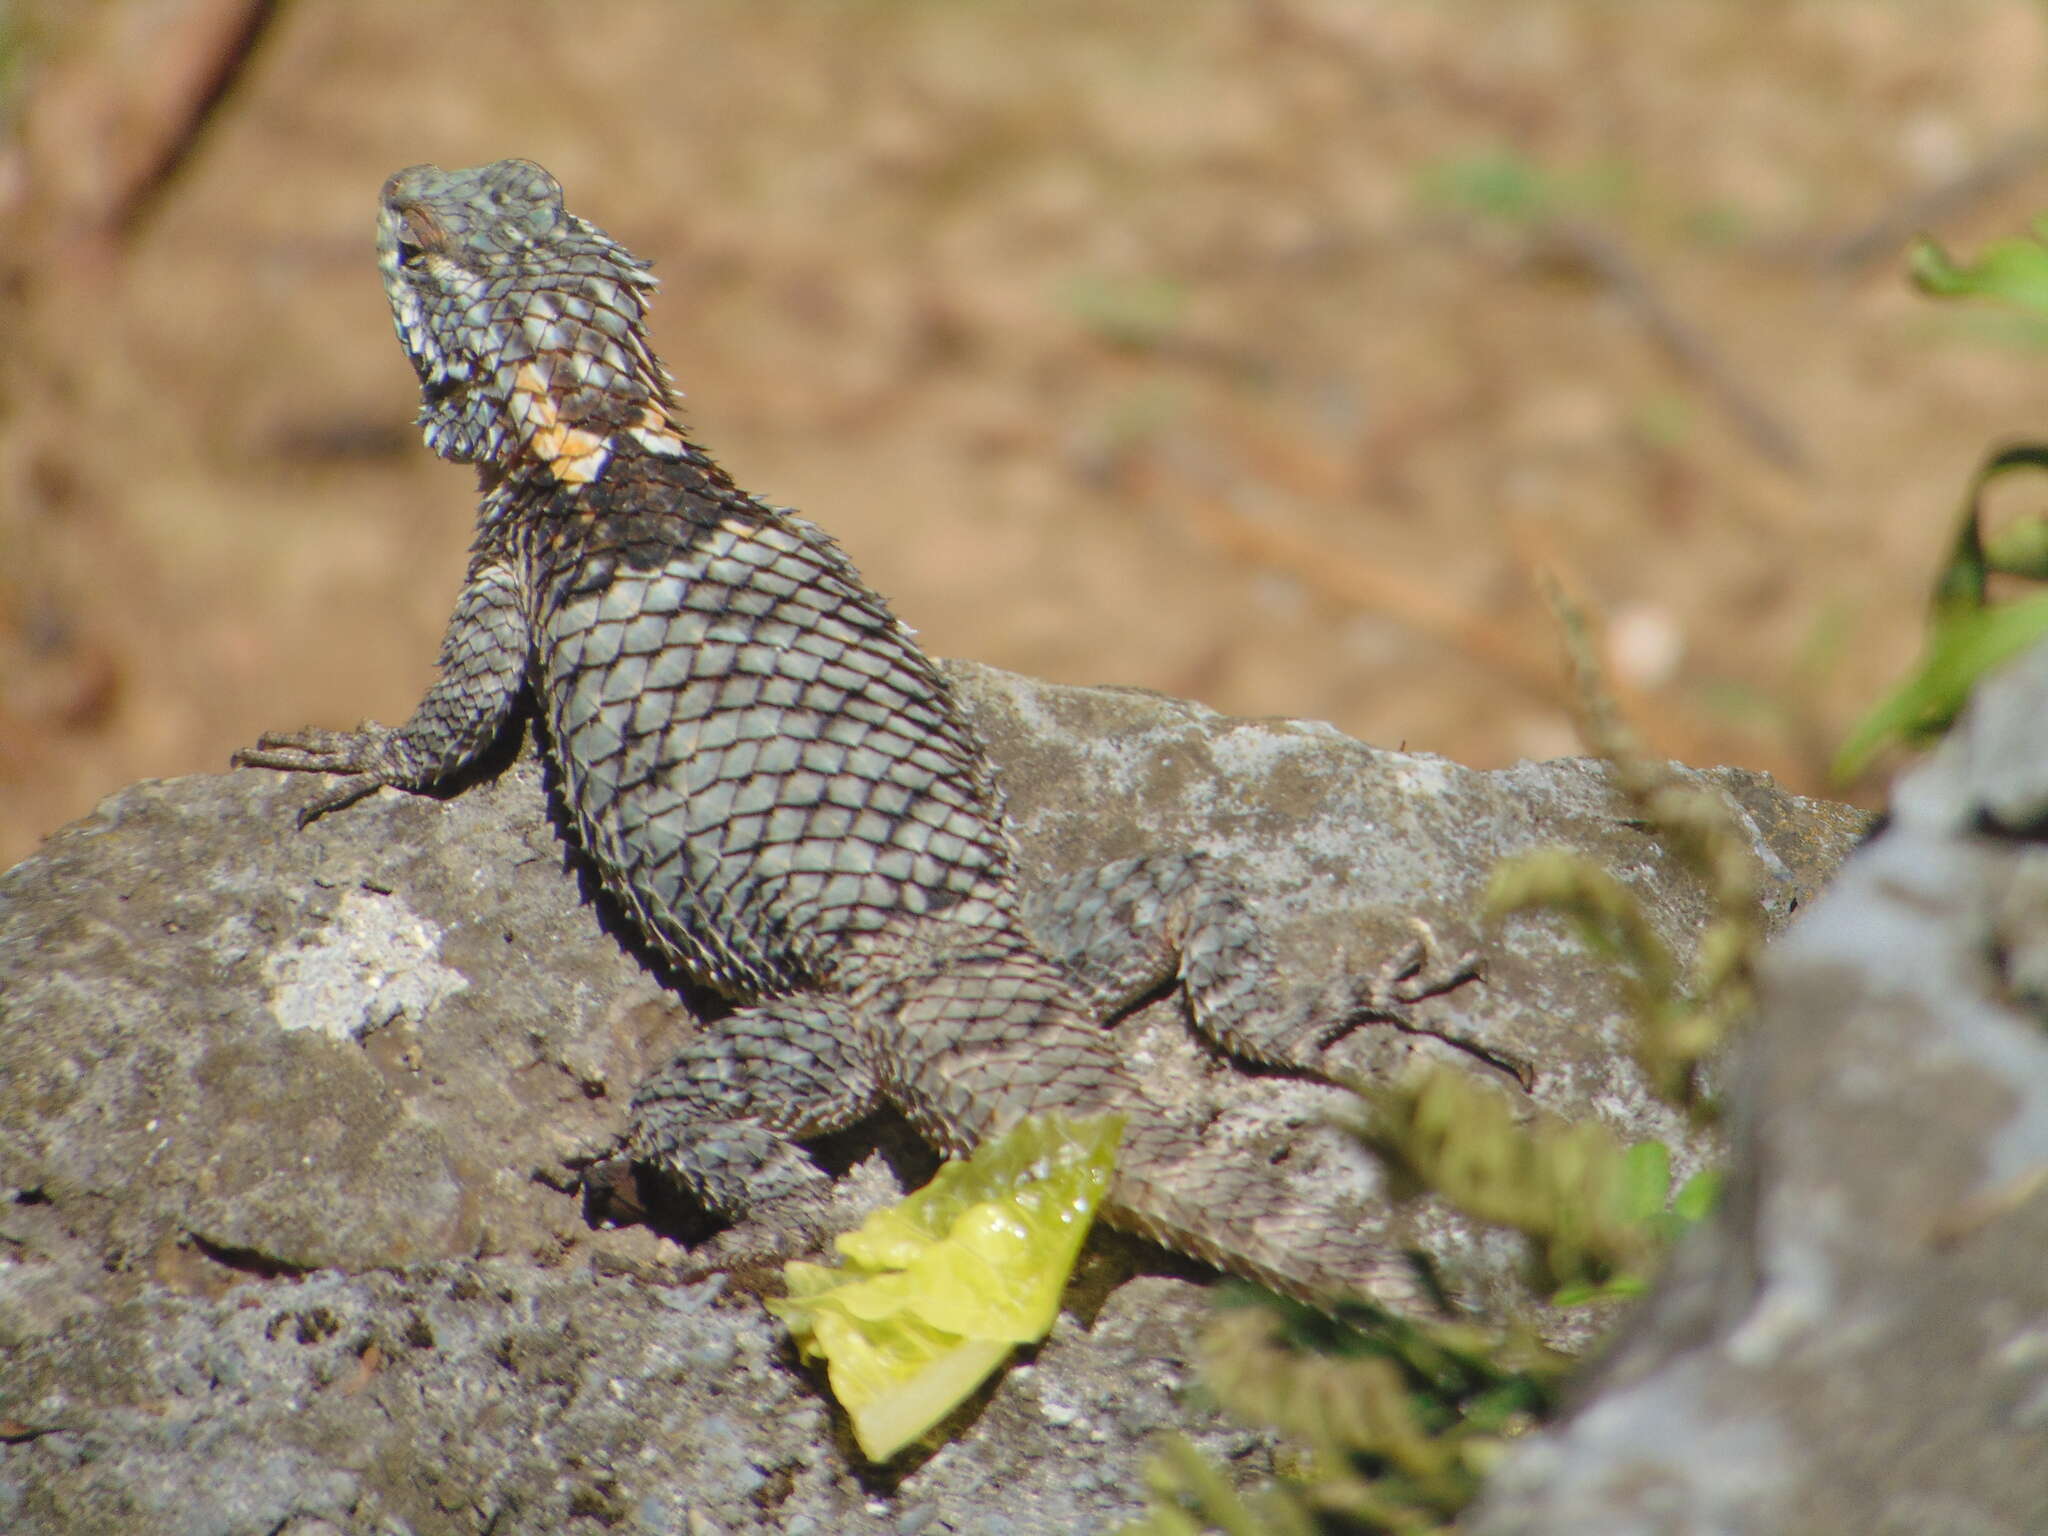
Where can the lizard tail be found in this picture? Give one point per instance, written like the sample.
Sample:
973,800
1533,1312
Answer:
1242,1217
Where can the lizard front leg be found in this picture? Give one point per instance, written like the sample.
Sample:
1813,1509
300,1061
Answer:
483,659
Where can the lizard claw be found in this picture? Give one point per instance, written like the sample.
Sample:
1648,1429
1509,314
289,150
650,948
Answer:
1416,971
347,792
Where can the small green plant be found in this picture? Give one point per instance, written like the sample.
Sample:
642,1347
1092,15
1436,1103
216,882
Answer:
1499,183
1598,1215
1400,1421
2013,272
1397,1424
1968,634
1136,313
1681,1013
1503,184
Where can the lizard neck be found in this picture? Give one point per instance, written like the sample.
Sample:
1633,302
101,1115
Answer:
573,431
580,468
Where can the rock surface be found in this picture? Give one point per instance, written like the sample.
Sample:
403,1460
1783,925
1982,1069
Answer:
1857,1342
288,1123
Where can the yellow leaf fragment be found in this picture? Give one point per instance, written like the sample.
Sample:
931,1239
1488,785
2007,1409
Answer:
939,1288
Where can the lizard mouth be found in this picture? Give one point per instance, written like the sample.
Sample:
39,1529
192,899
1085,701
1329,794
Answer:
442,388
445,391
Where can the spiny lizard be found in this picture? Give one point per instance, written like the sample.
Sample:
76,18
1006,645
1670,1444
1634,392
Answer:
777,784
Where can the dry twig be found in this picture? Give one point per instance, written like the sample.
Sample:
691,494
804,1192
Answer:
1604,255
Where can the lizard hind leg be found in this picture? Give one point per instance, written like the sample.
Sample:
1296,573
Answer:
723,1117
1132,926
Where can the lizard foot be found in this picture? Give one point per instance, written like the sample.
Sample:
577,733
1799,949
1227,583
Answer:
772,1232
801,1225
1385,995
1419,970
360,754
794,1227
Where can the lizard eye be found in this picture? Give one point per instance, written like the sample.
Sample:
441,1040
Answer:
411,249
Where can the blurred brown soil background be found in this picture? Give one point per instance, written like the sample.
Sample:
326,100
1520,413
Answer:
1259,351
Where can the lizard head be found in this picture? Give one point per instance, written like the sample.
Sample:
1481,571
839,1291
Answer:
525,323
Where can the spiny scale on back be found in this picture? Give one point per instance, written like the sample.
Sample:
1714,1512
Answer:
777,783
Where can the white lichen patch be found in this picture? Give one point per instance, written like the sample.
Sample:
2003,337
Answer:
1250,752
374,962
1420,774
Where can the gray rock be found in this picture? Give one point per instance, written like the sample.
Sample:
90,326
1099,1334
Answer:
1858,1340
288,1123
